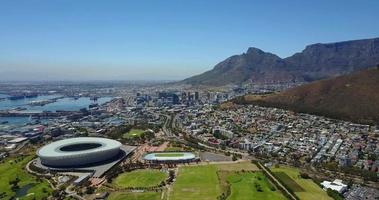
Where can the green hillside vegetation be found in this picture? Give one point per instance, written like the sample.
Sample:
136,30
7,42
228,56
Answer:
351,97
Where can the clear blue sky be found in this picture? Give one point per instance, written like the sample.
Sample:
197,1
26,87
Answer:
164,39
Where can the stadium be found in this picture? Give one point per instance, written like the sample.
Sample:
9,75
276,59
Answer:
170,157
79,151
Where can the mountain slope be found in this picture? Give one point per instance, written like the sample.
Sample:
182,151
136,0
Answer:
352,97
254,64
315,62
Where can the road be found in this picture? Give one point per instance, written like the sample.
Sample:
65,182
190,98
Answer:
166,126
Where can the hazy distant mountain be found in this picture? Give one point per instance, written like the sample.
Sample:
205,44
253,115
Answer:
352,97
315,62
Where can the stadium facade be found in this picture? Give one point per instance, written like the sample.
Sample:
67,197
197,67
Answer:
78,151
170,157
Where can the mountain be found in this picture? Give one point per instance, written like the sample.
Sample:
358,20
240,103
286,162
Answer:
353,97
315,62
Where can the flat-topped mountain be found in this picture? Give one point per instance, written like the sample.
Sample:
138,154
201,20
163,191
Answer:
315,62
352,97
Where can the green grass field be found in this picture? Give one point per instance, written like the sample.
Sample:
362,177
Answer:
289,181
140,178
196,182
169,154
10,169
133,133
174,149
247,166
135,196
252,185
310,190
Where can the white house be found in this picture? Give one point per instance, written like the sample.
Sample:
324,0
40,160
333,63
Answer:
336,185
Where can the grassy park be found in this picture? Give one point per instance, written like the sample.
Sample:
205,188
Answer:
140,178
252,185
174,148
133,133
303,188
210,181
27,186
242,181
196,182
135,196
246,166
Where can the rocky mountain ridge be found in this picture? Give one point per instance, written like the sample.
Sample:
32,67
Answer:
315,62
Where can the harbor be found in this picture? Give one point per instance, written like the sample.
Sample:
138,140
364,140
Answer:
23,110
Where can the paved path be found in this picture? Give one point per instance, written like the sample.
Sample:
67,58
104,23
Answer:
71,193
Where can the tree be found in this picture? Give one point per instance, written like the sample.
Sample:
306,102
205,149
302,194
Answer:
234,158
304,175
90,190
55,193
334,194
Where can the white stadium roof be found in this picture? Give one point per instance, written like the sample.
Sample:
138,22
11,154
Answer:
77,151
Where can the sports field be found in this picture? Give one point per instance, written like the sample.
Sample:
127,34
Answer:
252,185
246,166
303,188
135,196
133,133
196,182
210,181
140,178
169,154
13,168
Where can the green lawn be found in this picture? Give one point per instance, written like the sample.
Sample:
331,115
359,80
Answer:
133,133
252,185
135,196
140,178
196,182
311,191
11,168
287,180
247,166
174,149
169,154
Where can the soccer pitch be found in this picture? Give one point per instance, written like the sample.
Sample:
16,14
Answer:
140,178
169,154
196,182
